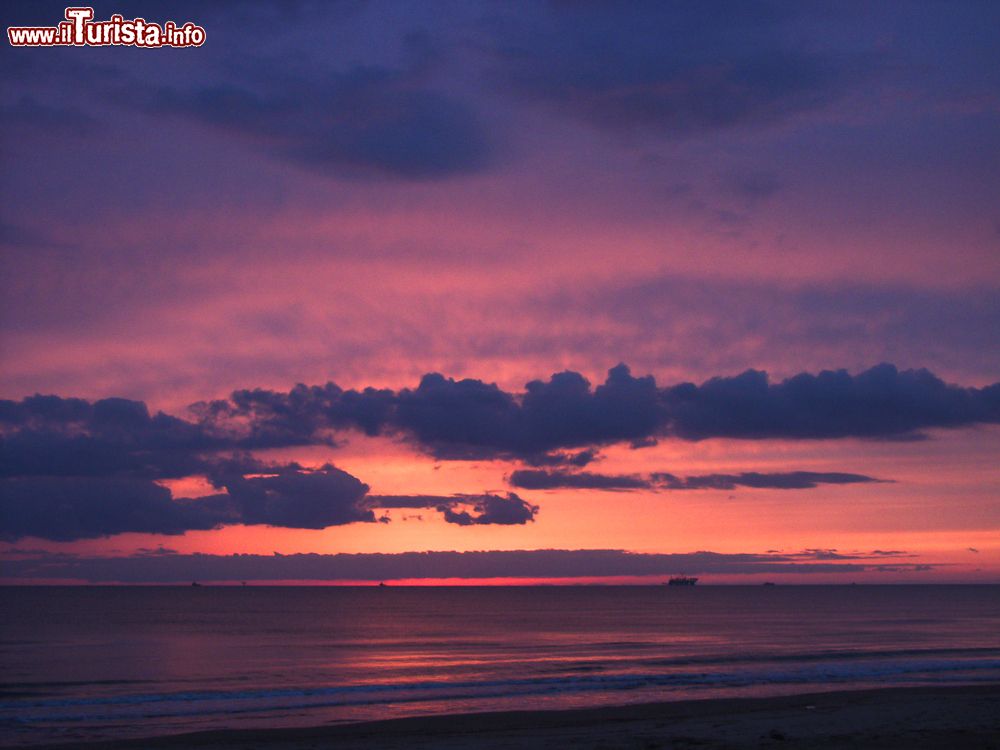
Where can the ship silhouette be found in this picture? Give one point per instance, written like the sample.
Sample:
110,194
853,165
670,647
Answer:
682,581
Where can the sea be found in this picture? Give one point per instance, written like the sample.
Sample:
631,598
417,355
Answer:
96,663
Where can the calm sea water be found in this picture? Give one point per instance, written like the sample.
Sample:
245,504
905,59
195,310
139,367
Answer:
125,662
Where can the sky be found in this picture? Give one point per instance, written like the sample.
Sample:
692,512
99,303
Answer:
493,292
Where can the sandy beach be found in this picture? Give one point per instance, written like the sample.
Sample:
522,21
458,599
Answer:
953,717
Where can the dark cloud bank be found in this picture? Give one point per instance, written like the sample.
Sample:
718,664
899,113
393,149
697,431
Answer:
164,566
674,70
365,122
468,419
542,479
73,469
69,508
342,118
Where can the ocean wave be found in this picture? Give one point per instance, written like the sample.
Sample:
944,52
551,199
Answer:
210,702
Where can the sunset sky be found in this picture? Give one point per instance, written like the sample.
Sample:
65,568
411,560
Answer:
588,291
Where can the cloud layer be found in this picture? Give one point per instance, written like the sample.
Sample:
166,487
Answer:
70,508
559,421
541,479
163,566
466,510
365,122
675,71
456,419
72,469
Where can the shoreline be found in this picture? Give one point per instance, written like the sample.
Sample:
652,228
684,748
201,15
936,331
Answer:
898,717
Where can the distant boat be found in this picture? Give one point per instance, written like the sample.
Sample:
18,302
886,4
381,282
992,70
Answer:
682,581
195,583
768,583
381,583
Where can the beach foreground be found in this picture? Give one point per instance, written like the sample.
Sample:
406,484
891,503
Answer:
922,717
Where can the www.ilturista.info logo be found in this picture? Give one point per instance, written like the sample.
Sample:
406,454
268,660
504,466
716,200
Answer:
81,30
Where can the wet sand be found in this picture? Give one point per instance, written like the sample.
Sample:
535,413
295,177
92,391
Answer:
954,718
